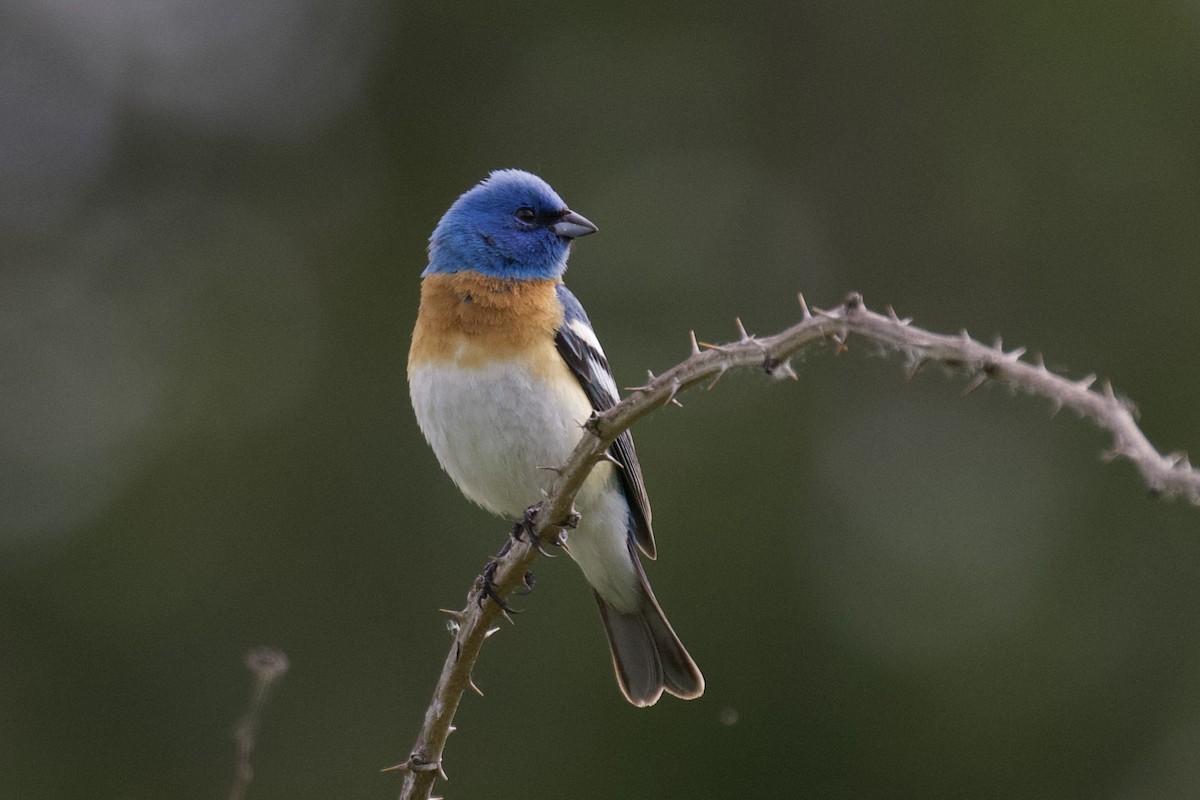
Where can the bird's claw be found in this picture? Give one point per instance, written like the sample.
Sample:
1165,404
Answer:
526,528
486,584
530,580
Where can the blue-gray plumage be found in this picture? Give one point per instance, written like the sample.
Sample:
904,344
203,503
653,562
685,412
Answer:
504,370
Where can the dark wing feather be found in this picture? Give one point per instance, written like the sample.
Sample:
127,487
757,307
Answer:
586,359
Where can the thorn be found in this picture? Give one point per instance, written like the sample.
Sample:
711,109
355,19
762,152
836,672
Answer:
820,312
695,345
671,397
610,458
555,470
1015,355
1108,390
895,318
644,387
912,372
720,375
1112,454
804,312
998,343
1055,407
1086,382
490,632
1039,362
508,617
979,380
471,683
451,729
962,334
742,335
571,521
779,369
839,344
442,771
457,616
717,347
416,763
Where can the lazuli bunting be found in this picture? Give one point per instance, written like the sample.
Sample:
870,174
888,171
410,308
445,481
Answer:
504,370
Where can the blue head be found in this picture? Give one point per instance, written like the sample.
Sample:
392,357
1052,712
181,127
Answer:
510,225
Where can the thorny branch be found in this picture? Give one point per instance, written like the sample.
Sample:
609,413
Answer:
1165,475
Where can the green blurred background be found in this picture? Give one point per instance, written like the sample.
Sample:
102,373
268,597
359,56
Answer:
213,215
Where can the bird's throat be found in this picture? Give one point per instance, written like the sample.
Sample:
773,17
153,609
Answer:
472,319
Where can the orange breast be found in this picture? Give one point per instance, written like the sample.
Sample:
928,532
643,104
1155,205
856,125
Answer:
472,320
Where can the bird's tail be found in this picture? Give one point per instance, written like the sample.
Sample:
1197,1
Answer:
647,655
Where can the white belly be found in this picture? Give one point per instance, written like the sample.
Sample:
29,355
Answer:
494,427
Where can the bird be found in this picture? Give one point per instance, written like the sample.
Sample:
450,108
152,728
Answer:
504,370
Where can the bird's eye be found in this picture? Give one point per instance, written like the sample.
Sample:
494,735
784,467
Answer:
526,214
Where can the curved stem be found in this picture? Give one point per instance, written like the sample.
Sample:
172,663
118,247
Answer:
1166,475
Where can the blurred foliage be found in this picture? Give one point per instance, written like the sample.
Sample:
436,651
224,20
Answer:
213,215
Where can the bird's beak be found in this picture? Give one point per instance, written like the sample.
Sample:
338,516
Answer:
573,225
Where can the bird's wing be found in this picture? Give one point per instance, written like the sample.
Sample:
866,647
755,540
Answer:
581,350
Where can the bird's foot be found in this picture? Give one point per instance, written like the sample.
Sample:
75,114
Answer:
526,528
486,584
